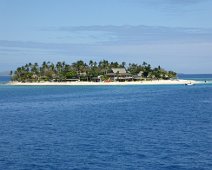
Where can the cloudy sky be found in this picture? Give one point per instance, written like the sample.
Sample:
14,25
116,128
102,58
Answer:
176,34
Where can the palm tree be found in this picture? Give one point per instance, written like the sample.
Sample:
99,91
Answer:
144,64
59,67
91,63
123,64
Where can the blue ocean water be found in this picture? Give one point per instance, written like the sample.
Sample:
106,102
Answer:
167,127
4,79
197,77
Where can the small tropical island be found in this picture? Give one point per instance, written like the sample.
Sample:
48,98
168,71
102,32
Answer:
92,73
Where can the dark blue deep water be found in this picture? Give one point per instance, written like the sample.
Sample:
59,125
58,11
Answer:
118,127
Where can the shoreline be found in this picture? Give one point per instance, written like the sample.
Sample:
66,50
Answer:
82,83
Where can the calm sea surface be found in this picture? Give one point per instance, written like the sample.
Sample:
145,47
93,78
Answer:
166,127
197,77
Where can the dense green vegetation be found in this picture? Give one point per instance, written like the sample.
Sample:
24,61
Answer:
83,71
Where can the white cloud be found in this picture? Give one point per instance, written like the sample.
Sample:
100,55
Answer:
127,34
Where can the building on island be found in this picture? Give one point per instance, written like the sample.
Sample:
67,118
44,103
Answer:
119,74
139,76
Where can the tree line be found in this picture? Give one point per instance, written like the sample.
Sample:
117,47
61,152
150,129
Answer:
61,71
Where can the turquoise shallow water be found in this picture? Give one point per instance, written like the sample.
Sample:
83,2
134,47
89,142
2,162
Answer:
117,127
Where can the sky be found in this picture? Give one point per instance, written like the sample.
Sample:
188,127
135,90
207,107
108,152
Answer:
175,34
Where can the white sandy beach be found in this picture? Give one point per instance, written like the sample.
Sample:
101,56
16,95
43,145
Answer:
81,83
